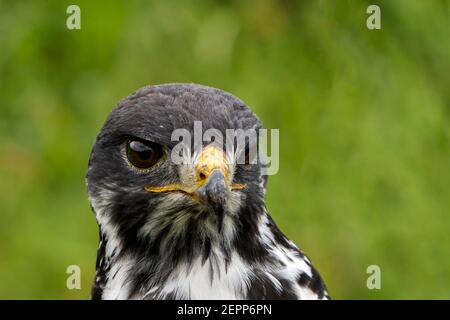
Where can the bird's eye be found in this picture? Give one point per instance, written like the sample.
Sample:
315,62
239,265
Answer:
143,155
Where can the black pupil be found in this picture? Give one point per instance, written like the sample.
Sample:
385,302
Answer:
144,152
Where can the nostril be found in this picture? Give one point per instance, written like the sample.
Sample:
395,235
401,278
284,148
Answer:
202,176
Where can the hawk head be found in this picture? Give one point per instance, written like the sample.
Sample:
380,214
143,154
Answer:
178,209
195,228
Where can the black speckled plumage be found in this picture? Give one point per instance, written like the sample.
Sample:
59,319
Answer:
164,246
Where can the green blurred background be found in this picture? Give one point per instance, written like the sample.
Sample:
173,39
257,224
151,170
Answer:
363,116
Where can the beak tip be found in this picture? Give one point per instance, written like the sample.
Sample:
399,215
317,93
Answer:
214,190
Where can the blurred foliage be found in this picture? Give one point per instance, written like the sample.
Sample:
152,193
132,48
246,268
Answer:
363,116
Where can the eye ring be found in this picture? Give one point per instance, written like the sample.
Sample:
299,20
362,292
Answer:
143,154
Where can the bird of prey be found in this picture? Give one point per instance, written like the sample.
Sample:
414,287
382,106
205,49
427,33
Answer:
196,230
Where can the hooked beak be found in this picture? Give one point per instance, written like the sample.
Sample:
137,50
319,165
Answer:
212,182
214,190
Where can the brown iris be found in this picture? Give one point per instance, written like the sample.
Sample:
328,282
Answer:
143,155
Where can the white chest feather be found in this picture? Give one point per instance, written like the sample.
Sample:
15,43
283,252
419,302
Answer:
208,280
199,280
